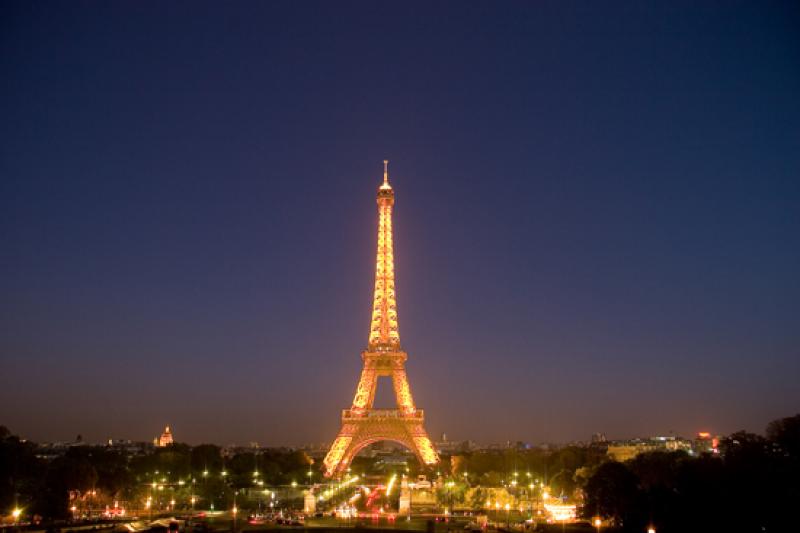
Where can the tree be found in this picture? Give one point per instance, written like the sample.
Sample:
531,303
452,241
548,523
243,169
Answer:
478,499
71,472
612,492
206,458
21,472
241,468
452,493
785,432
657,469
113,474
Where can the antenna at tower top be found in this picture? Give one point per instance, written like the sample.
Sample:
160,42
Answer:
385,171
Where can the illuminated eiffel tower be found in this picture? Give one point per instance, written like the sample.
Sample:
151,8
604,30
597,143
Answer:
361,424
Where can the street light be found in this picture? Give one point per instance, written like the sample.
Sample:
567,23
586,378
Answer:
411,487
597,523
651,529
15,513
450,485
531,486
235,510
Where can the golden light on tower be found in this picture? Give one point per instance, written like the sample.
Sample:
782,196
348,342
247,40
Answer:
361,424
384,334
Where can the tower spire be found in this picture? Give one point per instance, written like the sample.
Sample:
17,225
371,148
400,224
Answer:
386,186
383,333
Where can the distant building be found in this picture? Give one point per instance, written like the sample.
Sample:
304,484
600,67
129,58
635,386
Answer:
675,444
626,452
449,447
393,461
165,439
129,447
704,442
628,449
51,450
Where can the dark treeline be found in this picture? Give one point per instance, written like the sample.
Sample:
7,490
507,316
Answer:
753,485
95,476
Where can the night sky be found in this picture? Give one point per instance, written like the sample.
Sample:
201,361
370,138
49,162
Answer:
596,228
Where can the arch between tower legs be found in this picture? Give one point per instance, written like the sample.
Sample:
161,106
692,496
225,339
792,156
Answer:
355,436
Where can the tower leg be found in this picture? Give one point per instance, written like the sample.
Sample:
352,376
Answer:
402,390
333,459
365,393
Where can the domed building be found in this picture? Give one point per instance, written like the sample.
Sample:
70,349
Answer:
165,439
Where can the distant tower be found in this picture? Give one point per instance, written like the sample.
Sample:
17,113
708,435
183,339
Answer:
361,424
165,439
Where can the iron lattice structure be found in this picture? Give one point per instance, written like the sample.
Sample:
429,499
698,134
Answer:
363,425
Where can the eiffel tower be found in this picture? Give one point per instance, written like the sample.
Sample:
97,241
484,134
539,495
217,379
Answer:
363,425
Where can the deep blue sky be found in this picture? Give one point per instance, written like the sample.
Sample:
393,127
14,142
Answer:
597,221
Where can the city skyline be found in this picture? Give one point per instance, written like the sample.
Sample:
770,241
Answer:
595,227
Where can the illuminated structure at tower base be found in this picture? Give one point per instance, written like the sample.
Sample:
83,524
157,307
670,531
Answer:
361,424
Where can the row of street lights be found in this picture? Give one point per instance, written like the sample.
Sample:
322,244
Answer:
223,473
